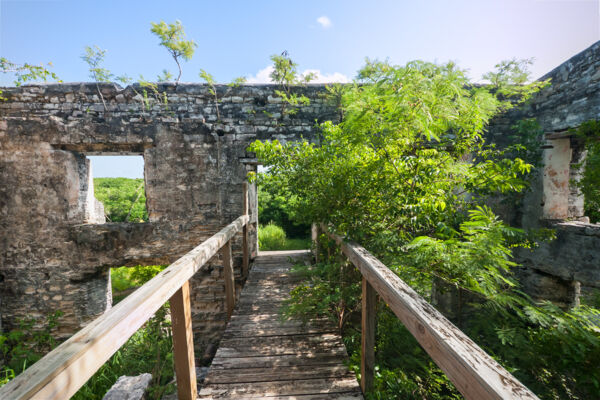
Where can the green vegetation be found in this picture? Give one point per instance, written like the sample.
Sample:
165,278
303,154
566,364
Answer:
285,73
26,72
172,38
94,58
589,132
276,205
124,199
125,279
273,237
270,237
23,346
407,173
150,350
210,81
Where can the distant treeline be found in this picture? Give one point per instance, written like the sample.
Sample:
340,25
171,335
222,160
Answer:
124,199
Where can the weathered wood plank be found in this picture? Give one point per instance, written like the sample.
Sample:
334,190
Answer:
261,356
474,373
272,374
280,360
245,238
64,370
274,350
327,396
183,343
283,387
229,278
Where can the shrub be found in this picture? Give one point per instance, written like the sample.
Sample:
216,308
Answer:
148,350
271,237
23,346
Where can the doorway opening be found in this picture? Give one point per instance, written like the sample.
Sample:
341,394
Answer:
278,228
119,185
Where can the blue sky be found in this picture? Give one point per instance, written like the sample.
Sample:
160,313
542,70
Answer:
236,38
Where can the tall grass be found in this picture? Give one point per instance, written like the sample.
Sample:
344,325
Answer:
273,237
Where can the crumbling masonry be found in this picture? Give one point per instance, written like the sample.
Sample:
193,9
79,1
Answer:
56,249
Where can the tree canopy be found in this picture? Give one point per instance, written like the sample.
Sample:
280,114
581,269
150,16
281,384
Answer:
408,174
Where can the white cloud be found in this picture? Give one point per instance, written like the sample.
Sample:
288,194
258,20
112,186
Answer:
326,78
324,21
263,76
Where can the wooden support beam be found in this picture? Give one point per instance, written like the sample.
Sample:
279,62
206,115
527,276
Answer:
245,241
229,278
367,361
314,237
183,343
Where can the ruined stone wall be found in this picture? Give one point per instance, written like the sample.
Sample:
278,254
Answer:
55,250
572,97
555,270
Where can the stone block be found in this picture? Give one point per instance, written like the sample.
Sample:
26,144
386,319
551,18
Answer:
129,388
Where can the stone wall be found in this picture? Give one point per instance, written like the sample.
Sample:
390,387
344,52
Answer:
572,97
555,270
56,250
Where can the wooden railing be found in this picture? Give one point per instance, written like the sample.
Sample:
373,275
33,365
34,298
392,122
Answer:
64,370
474,373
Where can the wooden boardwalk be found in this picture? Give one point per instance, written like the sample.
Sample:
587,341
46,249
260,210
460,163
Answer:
262,357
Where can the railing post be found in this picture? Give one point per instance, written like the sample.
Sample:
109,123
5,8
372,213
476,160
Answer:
229,278
245,241
367,362
183,343
314,236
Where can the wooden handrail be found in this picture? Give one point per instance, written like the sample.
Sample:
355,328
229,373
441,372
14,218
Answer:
474,373
64,370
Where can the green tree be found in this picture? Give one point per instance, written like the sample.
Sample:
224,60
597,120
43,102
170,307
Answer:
172,37
285,74
94,58
276,204
399,158
407,174
123,199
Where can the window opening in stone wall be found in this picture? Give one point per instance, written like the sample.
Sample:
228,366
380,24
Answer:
119,186
566,197
277,228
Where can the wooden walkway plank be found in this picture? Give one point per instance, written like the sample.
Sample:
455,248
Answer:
261,356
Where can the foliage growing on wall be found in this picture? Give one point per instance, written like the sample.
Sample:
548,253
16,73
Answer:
26,72
285,74
172,37
94,58
212,89
510,80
